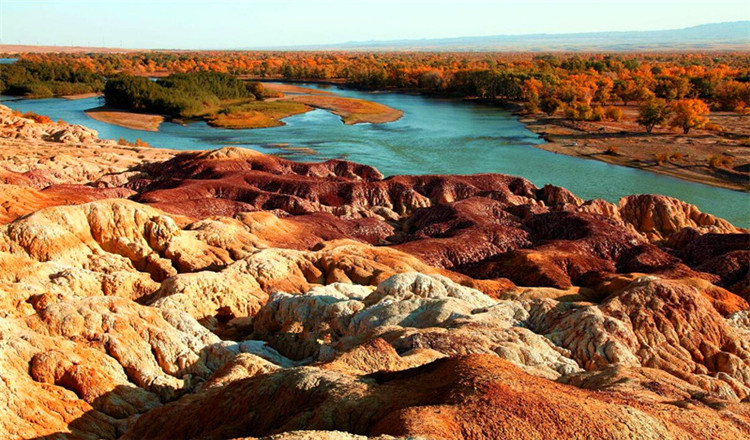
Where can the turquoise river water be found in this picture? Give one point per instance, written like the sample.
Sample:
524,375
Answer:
435,136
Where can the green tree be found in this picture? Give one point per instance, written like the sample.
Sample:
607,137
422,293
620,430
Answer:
181,95
652,113
672,87
431,80
549,105
626,90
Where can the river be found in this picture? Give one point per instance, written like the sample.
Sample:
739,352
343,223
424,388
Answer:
434,136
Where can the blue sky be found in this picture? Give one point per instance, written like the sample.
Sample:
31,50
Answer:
190,24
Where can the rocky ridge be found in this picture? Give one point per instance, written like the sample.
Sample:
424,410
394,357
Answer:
228,294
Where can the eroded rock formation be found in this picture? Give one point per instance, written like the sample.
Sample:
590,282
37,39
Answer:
229,294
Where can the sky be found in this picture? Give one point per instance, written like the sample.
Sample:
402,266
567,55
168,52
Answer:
227,24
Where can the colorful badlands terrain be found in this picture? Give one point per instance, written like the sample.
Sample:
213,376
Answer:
152,294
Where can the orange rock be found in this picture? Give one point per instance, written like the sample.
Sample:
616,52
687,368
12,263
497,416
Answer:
352,305
477,396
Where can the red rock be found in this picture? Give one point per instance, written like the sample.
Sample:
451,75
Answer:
658,217
477,397
110,309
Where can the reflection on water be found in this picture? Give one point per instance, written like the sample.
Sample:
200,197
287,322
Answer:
435,136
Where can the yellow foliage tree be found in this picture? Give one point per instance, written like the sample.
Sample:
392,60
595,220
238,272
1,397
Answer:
689,113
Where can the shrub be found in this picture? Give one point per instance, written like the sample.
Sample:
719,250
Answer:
549,105
611,151
530,107
661,158
720,161
30,90
579,111
598,114
256,89
613,113
37,118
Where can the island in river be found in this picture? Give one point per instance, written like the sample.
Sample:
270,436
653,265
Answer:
225,102
127,119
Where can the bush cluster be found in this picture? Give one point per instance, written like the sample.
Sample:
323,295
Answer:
46,79
182,95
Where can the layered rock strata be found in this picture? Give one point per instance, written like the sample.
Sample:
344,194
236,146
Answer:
151,294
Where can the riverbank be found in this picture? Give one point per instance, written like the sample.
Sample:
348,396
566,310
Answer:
83,96
711,157
135,121
284,88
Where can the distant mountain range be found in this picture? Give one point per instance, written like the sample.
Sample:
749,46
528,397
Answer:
730,36
715,36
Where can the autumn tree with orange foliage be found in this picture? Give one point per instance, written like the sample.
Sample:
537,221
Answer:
733,96
688,114
530,91
584,83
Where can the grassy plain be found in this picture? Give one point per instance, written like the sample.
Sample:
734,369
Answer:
257,114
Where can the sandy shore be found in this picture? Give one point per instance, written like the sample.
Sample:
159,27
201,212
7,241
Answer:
83,96
351,110
293,89
665,151
135,121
